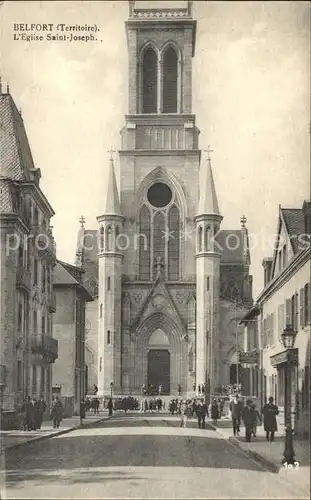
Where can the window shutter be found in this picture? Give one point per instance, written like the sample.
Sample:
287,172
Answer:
280,320
288,310
273,333
301,308
308,303
265,333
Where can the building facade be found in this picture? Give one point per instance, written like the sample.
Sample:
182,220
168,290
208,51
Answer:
70,369
286,301
170,286
28,256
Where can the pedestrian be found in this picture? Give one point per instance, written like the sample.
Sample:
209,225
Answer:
26,414
33,414
179,389
201,412
56,412
236,412
40,409
82,411
183,414
160,389
95,389
248,419
199,388
256,420
270,411
194,387
110,407
96,409
214,411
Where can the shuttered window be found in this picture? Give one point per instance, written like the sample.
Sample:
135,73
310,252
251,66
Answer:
288,311
280,320
301,308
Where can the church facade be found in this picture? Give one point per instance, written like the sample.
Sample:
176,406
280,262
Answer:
169,285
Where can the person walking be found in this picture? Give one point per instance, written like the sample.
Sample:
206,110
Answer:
26,414
270,411
179,389
82,411
183,414
256,419
248,419
201,412
40,409
214,411
236,412
110,407
56,412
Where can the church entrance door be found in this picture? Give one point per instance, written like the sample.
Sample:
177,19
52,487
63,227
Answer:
159,369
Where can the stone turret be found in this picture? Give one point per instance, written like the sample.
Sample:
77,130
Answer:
207,221
110,259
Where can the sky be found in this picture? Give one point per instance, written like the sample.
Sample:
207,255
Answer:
251,83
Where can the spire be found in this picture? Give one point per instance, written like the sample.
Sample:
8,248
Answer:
208,203
112,203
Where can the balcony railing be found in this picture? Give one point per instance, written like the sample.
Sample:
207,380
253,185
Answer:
44,345
23,278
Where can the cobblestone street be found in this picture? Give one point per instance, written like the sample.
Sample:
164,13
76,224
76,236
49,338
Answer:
139,456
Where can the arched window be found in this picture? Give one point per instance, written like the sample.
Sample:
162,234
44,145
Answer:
144,244
108,238
101,310
159,236
170,77
108,337
109,283
207,238
100,364
101,239
150,81
173,244
200,239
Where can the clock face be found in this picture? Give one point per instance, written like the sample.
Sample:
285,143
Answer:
158,301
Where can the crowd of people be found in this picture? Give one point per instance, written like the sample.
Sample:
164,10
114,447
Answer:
251,417
32,411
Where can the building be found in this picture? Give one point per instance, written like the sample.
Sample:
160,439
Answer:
169,296
70,369
28,256
286,300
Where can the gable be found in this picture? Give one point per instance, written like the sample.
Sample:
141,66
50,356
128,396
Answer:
158,300
283,249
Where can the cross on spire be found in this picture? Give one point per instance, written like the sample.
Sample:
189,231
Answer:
82,221
243,221
111,151
208,151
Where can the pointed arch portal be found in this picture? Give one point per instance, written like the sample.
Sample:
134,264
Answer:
160,354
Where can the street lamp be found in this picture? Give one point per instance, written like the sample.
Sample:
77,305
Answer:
288,339
111,388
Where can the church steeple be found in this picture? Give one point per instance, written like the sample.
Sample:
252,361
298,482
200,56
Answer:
208,203
111,201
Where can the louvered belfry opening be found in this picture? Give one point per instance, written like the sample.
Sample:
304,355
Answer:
170,76
150,78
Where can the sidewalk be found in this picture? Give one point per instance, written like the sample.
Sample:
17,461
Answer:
16,438
270,455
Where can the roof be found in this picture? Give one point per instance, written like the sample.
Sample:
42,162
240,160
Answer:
111,203
16,158
67,274
233,246
8,202
208,203
295,224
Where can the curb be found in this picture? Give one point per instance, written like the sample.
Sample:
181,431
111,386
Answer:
264,462
53,434
267,464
